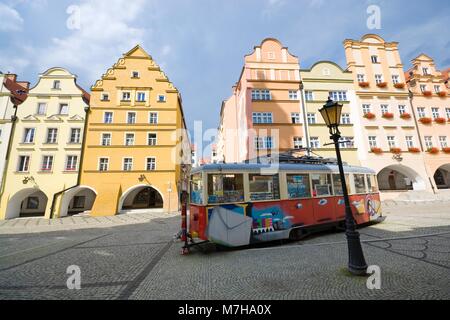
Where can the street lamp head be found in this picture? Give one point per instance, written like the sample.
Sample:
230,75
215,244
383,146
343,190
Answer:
331,113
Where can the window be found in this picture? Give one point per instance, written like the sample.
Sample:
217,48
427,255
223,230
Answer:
129,139
196,188
293,95
309,96
384,108
314,142
395,79
298,186
78,202
435,112
161,98
423,88
337,185
378,78
71,163
135,74
321,184
401,109
103,164
409,141
447,112
372,183
326,72
366,108
223,188
346,142
151,139
425,71
29,135
24,164
361,77
41,108
127,164
338,95
150,164
374,59
271,55
105,97
47,163
261,95
443,141
428,141
437,88
372,141
126,96
56,84
391,141
298,143
108,117
52,135
262,117
421,112
360,183
33,203
345,118
311,118
153,118
263,143
131,117
140,97
264,187
295,117
106,139
75,135
63,109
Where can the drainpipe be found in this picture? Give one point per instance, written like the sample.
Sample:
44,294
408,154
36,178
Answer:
305,120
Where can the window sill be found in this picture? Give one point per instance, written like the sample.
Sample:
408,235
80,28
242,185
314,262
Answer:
45,171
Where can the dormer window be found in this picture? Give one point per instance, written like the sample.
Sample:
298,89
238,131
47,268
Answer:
135,74
425,71
374,59
57,84
105,97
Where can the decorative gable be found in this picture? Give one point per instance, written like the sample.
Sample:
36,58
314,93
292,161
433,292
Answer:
30,118
76,118
53,118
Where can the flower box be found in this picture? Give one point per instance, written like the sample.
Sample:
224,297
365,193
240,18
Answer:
425,120
427,93
405,116
414,150
396,150
440,120
388,115
382,85
369,115
376,150
446,150
399,85
442,94
433,150
363,84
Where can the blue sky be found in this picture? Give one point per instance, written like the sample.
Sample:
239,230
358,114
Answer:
201,44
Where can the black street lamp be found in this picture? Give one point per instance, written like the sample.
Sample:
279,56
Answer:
331,113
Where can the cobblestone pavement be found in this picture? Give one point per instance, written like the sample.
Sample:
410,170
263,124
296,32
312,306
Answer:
141,260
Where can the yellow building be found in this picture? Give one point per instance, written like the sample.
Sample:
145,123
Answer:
327,79
135,141
46,146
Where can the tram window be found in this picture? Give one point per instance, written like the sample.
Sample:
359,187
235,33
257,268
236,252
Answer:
224,188
321,184
337,185
371,183
264,187
298,186
360,185
196,189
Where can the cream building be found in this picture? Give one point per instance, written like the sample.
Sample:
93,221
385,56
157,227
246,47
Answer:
46,146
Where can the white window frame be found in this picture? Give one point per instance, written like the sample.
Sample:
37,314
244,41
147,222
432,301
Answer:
428,141
296,117
141,93
32,136
150,117
128,115
155,138
125,139
378,78
311,117
28,163
339,95
38,112
54,137
293,94
409,141
435,112
105,96
361,77
66,165
126,96
309,95
395,79
101,139
345,118
384,108
78,140
262,117
298,142
146,163
104,117
366,108
61,109
123,164
46,163
373,141
443,141
314,142
99,163
401,109
158,99
135,77
392,141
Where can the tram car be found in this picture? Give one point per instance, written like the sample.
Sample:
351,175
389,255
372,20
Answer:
236,205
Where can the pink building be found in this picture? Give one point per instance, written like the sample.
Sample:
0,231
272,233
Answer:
431,108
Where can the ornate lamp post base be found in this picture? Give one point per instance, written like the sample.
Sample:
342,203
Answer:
356,263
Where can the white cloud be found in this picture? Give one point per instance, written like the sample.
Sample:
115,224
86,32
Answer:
10,19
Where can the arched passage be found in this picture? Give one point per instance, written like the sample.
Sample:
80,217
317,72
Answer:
77,200
399,177
141,197
442,177
30,202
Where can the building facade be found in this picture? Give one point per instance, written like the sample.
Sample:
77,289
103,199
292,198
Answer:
327,79
46,146
431,108
389,136
135,142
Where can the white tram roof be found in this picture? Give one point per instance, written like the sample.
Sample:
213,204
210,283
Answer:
231,167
